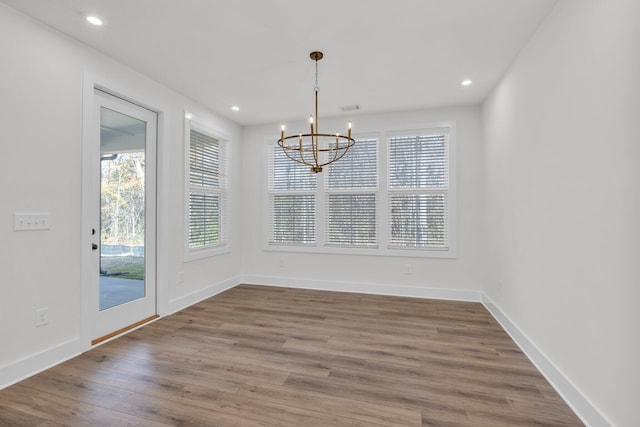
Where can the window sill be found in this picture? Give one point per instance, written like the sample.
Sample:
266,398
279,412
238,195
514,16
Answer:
371,251
196,254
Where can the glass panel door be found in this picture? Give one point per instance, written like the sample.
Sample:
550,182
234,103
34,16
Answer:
122,208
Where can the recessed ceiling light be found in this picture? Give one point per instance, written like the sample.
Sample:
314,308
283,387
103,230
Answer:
466,82
235,108
94,20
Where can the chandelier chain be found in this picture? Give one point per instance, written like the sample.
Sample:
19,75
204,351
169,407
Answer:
316,88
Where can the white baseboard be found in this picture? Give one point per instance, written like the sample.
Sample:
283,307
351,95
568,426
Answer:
31,365
365,288
579,403
195,297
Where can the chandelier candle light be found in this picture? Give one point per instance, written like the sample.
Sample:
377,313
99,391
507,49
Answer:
316,149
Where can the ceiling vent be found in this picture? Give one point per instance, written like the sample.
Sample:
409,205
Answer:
350,108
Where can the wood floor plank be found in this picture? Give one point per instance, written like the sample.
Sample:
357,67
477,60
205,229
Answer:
268,362
273,356
348,389
77,388
10,416
59,410
174,413
348,408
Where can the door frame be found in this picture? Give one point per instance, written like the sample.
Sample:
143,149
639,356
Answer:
120,317
142,92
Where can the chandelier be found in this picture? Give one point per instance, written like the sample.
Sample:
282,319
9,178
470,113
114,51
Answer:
316,149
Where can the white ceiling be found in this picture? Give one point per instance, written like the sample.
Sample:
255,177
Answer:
382,55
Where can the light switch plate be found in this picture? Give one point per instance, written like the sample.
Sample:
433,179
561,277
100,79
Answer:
30,221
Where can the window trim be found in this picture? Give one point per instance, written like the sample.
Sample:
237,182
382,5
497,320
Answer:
192,254
383,198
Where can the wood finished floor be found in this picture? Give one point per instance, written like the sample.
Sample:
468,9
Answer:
265,356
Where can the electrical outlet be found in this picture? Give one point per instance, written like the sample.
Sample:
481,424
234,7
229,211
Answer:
283,263
180,277
408,268
42,316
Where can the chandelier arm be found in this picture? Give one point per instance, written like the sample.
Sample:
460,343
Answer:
327,135
286,149
338,152
337,149
343,153
344,150
302,150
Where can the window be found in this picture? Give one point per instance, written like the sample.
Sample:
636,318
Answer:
392,194
418,191
206,192
292,201
351,187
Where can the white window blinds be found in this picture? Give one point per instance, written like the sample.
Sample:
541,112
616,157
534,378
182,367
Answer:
352,184
419,191
207,191
391,194
291,218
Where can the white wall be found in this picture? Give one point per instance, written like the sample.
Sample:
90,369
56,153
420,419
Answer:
373,273
562,150
559,182
41,84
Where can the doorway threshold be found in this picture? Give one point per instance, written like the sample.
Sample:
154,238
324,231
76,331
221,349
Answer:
125,329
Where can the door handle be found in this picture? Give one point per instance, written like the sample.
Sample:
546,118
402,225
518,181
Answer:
94,247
